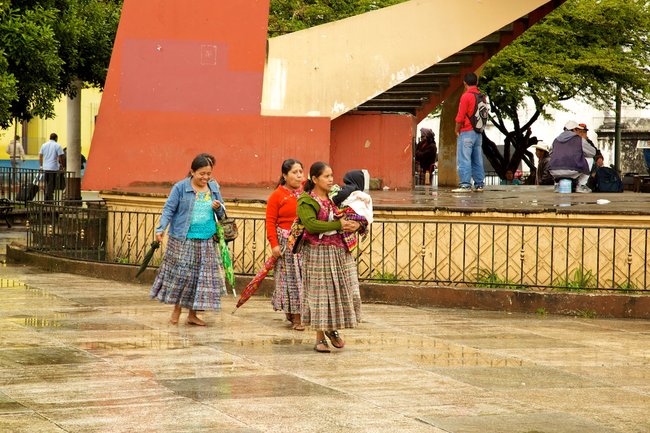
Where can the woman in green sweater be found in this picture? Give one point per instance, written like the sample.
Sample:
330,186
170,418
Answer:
331,298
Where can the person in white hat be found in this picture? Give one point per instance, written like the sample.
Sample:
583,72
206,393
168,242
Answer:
543,175
569,157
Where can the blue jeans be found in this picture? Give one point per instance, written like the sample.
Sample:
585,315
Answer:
646,155
469,158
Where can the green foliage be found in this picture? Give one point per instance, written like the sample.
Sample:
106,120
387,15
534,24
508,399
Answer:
489,279
587,314
541,312
288,16
46,47
386,278
578,281
584,49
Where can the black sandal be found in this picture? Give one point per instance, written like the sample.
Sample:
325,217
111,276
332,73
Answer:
324,343
335,338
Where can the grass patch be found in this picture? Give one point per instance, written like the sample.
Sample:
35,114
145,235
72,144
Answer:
386,278
490,280
578,281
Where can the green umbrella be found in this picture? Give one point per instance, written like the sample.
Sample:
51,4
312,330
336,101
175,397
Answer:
225,258
147,257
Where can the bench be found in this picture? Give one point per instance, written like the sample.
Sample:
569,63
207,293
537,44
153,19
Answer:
641,183
5,209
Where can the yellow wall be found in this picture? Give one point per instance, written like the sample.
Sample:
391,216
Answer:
39,129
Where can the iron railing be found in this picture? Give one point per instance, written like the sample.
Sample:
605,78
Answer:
491,178
16,182
476,254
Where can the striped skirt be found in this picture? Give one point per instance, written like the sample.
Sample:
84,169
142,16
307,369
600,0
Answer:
288,281
331,297
191,274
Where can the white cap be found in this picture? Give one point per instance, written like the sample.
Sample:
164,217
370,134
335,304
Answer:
571,125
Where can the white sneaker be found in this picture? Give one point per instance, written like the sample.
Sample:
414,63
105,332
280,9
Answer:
583,189
478,189
462,189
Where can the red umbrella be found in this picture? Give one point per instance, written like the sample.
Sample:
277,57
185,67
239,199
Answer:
255,282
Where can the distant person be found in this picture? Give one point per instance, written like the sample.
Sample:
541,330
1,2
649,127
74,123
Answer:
191,274
469,156
16,152
568,158
280,214
512,178
82,159
426,151
582,132
543,175
51,159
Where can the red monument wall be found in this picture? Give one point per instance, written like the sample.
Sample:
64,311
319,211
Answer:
186,79
380,143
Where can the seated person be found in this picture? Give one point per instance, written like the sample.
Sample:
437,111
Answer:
543,175
569,157
512,178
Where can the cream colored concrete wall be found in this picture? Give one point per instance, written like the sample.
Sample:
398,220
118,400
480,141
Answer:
330,69
531,249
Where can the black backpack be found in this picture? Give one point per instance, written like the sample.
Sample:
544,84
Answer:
608,180
479,117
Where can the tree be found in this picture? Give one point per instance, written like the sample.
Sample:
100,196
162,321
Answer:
288,16
48,46
585,49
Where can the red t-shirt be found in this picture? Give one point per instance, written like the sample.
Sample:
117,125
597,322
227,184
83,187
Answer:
280,211
466,108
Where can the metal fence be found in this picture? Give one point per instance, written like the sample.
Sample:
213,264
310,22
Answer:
491,178
516,256
16,183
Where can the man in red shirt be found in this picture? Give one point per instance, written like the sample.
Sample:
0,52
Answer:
469,154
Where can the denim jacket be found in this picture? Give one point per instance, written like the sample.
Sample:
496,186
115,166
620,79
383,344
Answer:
177,212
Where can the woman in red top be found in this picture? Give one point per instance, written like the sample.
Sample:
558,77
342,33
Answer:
280,213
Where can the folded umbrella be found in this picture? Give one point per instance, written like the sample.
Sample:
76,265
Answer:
255,282
225,258
147,257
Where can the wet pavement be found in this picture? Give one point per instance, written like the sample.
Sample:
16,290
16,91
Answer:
495,198
79,354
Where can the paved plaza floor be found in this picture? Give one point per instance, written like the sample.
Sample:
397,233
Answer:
79,354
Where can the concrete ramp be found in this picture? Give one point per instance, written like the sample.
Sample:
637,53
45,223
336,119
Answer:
328,70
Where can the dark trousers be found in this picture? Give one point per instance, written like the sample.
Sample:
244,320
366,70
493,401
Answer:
50,184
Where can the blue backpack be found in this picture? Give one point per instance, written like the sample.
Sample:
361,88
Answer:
608,180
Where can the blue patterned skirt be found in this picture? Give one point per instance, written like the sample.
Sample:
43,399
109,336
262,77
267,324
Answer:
191,274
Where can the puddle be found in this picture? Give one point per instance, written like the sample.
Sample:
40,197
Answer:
240,387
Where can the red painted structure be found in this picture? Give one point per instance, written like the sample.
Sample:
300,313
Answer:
188,79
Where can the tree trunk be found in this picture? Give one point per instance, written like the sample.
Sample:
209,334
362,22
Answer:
73,158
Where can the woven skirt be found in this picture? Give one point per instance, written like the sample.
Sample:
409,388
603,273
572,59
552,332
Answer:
288,281
330,288
191,274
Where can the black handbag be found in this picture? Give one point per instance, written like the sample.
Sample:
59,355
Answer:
229,226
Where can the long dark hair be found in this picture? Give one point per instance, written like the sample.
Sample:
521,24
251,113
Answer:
315,170
201,160
287,165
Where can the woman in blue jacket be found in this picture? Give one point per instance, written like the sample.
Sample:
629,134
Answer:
191,274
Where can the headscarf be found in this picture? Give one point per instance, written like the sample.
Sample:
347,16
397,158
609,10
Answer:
354,180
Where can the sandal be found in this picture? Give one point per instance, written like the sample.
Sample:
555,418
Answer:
324,343
335,338
298,327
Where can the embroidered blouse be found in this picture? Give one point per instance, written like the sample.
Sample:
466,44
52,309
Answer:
202,225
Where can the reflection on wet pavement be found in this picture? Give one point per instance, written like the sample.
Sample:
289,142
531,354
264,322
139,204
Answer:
87,355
